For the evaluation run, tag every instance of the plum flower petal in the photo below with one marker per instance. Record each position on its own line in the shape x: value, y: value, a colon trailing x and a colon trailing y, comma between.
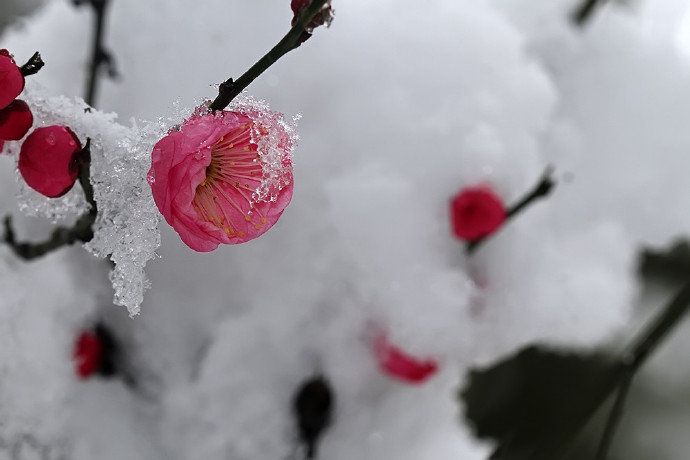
x: 476, y: 212
x: 88, y: 354
x: 223, y: 178
x: 401, y: 366
x: 48, y: 160
x: 11, y: 79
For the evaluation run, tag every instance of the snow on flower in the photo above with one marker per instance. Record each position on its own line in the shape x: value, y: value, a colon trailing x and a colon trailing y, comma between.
x: 223, y: 177
x: 475, y: 213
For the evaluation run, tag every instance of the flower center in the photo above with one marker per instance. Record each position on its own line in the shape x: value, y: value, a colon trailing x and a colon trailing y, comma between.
x: 224, y: 198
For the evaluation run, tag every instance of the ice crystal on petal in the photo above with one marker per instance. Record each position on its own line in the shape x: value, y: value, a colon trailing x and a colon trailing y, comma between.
x: 281, y: 137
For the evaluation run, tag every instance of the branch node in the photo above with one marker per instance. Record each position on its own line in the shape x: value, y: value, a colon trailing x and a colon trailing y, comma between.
x: 33, y: 65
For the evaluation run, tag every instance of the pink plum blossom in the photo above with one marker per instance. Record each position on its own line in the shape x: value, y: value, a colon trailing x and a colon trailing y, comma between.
x: 223, y: 177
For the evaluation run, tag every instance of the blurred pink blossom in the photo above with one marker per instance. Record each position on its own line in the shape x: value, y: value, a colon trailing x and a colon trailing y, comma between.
x: 476, y: 212
x: 399, y: 365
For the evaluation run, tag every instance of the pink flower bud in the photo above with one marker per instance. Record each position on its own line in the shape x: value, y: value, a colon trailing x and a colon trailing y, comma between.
x: 223, y: 178
x: 88, y: 354
x: 15, y: 121
x: 324, y: 16
x: 397, y: 364
x: 475, y: 213
x: 48, y: 160
x: 11, y: 79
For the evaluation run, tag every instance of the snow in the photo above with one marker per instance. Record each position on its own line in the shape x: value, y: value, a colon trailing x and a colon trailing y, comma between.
x: 126, y: 229
x: 37, y: 327
x: 404, y: 103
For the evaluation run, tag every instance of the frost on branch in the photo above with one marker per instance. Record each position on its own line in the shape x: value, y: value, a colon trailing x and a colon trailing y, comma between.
x: 126, y: 229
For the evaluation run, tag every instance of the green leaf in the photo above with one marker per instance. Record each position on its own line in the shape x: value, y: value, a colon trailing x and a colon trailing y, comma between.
x: 670, y: 264
x: 535, y: 402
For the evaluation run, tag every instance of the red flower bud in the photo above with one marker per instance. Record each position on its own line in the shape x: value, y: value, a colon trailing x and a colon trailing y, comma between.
x: 15, y: 121
x: 299, y: 5
x: 475, y: 213
x: 88, y: 354
x: 11, y: 79
x: 324, y: 16
x: 399, y: 365
x: 48, y: 160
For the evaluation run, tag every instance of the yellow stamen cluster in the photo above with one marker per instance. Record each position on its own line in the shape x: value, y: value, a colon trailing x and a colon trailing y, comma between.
x: 231, y: 178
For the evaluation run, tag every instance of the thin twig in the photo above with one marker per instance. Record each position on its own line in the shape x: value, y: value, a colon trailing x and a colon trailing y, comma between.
x: 99, y: 54
x: 642, y: 347
x: 614, y: 418
x: 85, y: 175
x: 230, y: 88
x: 584, y: 12
x: 82, y: 230
x: 541, y: 190
x: 650, y: 338
x: 61, y: 236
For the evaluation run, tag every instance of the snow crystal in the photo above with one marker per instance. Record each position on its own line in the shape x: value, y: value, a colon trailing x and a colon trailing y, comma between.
x: 33, y: 203
x: 275, y: 138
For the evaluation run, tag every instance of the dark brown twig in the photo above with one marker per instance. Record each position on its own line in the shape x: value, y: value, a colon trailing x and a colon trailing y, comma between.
x: 100, y: 56
x: 584, y: 11
x: 230, y: 88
